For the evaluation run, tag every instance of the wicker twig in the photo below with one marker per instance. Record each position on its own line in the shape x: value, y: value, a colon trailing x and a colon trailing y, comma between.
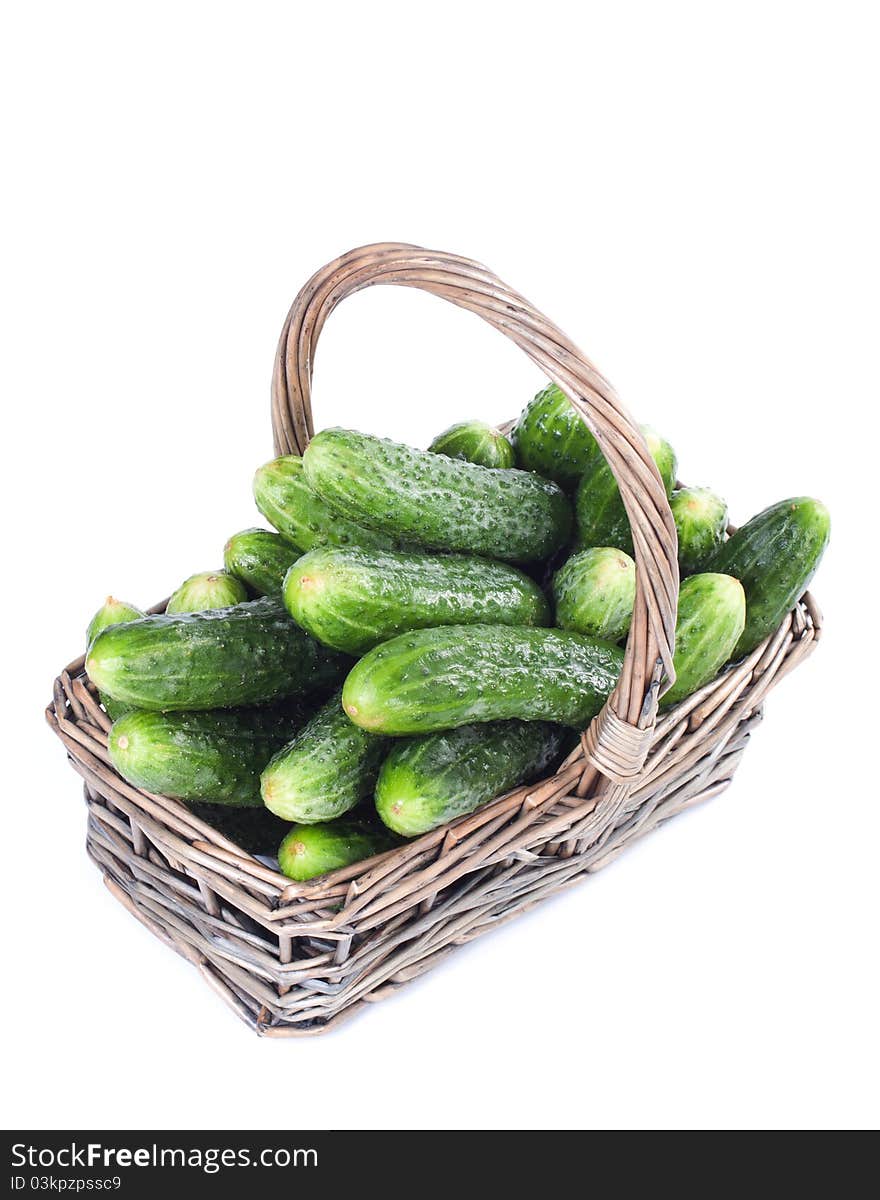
x: 294, y: 958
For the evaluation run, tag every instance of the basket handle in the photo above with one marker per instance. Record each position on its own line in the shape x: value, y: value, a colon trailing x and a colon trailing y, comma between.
x: 617, y: 741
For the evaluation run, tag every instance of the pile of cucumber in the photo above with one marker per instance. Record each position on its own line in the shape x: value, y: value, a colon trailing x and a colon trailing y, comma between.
x: 422, y: 631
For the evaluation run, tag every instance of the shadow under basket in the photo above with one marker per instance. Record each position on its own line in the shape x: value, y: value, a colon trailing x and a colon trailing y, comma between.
x: 296, y: 958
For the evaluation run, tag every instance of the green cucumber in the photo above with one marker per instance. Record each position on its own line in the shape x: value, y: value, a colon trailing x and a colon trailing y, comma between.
x: 288, y: 503
x: 114, y: 708
x: 594, y: 592
x: 427, y: 781
x: 260, y: 559
x: 701, y: 522
x: 310, y: 850
x: 774, y: 556
x: 601, y: 516
x: 111, y: 612
x: 710, y: 619
x: 328, y: 768
x: 476, y: 442
x: 255, y: 830
x: 437, y: 502
x: 352, y: 599
x: 246, y: 654
x: 208, y: 589
x: 215, y: 757
x: 551, y: 438
x: 434, y: 679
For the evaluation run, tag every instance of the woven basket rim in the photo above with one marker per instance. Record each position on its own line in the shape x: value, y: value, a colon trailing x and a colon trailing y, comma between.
x: 693, y: 711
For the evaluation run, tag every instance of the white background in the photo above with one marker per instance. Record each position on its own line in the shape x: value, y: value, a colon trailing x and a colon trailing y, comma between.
x: 690, y: 191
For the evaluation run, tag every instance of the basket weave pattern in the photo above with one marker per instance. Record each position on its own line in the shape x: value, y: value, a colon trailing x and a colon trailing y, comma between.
x: 295, y: 958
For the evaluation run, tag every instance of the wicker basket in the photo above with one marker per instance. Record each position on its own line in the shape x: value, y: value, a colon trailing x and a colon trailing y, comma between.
x: 295, y: 958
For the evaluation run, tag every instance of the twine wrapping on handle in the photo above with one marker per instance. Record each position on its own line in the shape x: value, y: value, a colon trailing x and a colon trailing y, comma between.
x: 618, y: 739
x: 615, y: 747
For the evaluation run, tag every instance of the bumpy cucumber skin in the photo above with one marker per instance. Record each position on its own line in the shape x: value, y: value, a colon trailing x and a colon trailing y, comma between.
x: 215, y: 757
x: 255, y: 830
x: 552, y: 439
x: 700, y: 517
x: 594, y: 592
x: 601, y: 516
x: 288, y: 503
x: 260, y: 559
x: 311, y: 850
x: 112, y: 612
x: 710, y: 620
x: 437, y: 502
x: 774, y: 556
x: 247, y: 654
x: 208, y: 589
x: 328, y: 768
x: 476, y: 442
x: 353, y: 599
x: 442, y: 678
x: 427, y: 781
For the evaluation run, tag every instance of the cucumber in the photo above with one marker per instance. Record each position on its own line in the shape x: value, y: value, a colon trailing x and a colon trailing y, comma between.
x: 289, y: 504
x: 437, y: 502
x: 327, y: 768
x: 260, y: 559
x: 256, y: 830
x: 111, y: 612
x: 595, y: 591
x: 434, y: 679
x: 710, y: 619
x: 700, y: 522
x: 476, y: 442
x: 208, y: 589
x: 310, y: 850
x: 601, y: 517
x: 427, y: 781
x: 114, y: 708
x: 774, y: 556
x: 352, y: 599
x: 551, y: 438
x: 215, y: 757
x: 246, y: 654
